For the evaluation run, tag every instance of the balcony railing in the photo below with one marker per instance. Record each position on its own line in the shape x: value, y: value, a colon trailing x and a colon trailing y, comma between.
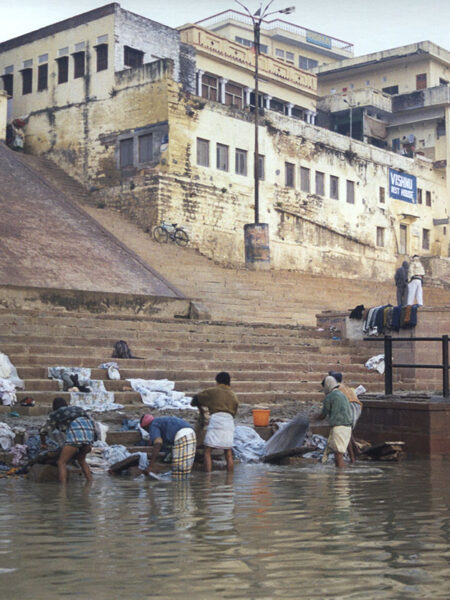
x: 334, y: 43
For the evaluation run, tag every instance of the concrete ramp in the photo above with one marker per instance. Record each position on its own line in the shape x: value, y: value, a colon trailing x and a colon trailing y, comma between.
x: 47, y: 241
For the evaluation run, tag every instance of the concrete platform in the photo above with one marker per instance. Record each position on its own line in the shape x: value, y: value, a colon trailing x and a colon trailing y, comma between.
x: 422, y: 423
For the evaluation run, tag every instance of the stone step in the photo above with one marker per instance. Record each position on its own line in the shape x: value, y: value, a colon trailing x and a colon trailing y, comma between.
x: 190, y: 385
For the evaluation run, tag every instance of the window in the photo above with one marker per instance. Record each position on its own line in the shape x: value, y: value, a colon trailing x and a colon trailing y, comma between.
x: 209, y: 87
x: 426, y: 239
x: 78, y: 64
x: 63, y: 69
x: 233, y: 95
x: 42, y: 77
x: 279, y: 53
x: 334, y: 187
x: 421, y: 81
x: 249, y: 43
x: 307, y: 63
x: 8, y: 81
x: 304, y: 179
x: 102, y: 57
x: 382, y: 195
x: 442, y: 81
x: 132, y: 58
x: 126, y: 152
x: 350, y: 192
x: 241, y: 162
x: 145, y: 148
x: 403, y: 239
x: 419, y: 196
x: 290, y: 57
x: 392, y: 89
x: 222, y: 157
x: 27, y: 81
x: 202, y: 152
x: 380, y: 236
x: 289, y: 175
x: 261, y: 168
x: 320, y: 183
x: 396, y: 145
x: 428, y: 198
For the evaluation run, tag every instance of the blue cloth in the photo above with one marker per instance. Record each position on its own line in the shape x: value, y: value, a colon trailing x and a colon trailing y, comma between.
x: 166, y: 428
x: 129, y: 425
x: 81, y: 432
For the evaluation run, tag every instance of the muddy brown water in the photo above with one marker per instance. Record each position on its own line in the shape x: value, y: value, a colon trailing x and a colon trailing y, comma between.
x: 373, y: 531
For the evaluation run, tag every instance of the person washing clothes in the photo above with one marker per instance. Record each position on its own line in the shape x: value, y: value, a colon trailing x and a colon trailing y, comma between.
x: 79, y: 430
x: 222, y: 404
x: 337, y: 408
x: 401, y: 283
x: 416, y: 273
x: 355, y: 405
x: 175, y: 432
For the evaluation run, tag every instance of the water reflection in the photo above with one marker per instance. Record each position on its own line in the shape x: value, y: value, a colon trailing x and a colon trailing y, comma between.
x: 262, y: 532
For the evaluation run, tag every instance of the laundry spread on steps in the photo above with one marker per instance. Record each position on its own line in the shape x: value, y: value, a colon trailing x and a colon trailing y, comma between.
x: 9, y: 381
x: 160, y: 393
x: 89, y: 394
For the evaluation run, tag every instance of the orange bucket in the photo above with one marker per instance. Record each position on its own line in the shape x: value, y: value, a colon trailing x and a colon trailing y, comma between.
x: 261, y: 417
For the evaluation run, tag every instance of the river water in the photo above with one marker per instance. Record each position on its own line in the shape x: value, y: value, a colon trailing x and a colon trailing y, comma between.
x: 376, y: 530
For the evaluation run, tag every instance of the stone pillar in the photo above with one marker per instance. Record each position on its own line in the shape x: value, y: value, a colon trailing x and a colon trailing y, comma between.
x: 199, y: 82
x: 223, y: 83
x: 289, y: 107
x: 3, y: 114
x: 247, y: 91
x: 267, y: 100
x: 313, y: 118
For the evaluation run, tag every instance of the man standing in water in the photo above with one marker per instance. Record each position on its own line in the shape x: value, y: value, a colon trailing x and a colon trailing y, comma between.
x: 337, y: 408
x: 222, y: 404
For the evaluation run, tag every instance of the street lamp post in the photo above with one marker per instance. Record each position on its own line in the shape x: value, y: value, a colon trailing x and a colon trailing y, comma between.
x: 257, y: 251
x: 351, y: 106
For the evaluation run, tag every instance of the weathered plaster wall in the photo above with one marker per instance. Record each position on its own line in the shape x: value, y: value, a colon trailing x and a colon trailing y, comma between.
x: 309, y: 230
x: 3, y: 112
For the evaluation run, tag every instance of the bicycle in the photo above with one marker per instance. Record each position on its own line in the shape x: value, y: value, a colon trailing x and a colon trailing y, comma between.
x: 162, y: 233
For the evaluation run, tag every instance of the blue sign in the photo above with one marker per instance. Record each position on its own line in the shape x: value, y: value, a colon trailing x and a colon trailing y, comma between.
x: 313, y: 37
x: 402, y: 186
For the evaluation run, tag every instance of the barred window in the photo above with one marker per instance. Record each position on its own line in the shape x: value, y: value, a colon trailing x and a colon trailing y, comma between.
x: 241, y: 162
x: 102, y: 57
x: 126, y: 148
x: 42, y: 77
x: 27, y: 81
x: 304, y: 179
x: 334, y: 187
x: 132, y: 58
x: 320, y: 183
x: 63, y: 69
x: 210, y: 87
x: 222, y: 157
x: 78, y: 64
x: 202, y: 152
x: 145, y: 147
x: 289, y: 177
x: 380, y: 236
x: 233, y: 95
x: 350, y: 192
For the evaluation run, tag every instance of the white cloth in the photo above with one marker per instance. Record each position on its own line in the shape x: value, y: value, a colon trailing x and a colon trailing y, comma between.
x: 95, y: 401
x: 415, y: 292
x: 248, y: 446
x: 7, y: 436
x: 339, y: 438
x: 8, y: 371
x: 220, y: 431
x: 160, y: 393
x: 356, y: 412
x: 7, y: 392
x: 376, y: 362
x: 184, y: 431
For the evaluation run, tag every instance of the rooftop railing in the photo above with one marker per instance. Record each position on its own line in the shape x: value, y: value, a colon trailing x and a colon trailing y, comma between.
x: 279, y: 24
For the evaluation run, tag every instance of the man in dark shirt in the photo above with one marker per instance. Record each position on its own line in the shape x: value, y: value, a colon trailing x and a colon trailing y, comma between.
x: 175, y: 432
x: 401, y: 282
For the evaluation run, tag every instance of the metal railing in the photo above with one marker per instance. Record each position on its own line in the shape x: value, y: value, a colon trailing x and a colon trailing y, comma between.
x: 272, y: 24
x: 389, y: 366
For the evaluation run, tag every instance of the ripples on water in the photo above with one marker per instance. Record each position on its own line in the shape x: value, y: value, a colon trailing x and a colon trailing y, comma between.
x: 265, y: 532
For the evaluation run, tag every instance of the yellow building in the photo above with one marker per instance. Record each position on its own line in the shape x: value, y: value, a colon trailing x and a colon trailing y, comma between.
x: 156, y: 139
x: 280, y: 39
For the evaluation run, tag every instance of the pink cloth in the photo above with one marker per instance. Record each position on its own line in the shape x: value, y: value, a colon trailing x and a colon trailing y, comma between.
x: 146, y: 420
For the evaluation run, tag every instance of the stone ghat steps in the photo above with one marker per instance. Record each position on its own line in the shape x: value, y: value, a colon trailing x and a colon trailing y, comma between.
x: 355, y: 374
x: 233, y: 293
x: 191, y: 386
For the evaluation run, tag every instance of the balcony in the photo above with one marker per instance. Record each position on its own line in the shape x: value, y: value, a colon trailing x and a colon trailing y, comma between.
x: 365, y: 97
x: 243, y: 57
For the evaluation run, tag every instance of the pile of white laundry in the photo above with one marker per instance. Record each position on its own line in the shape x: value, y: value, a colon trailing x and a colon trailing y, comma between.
x: 160, y: 393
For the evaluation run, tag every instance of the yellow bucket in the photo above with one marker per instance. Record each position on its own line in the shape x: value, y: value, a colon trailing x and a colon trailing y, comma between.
x: 261, y: 417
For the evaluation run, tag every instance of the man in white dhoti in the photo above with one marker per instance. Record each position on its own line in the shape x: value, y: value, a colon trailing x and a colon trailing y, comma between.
x: 222, y: 404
